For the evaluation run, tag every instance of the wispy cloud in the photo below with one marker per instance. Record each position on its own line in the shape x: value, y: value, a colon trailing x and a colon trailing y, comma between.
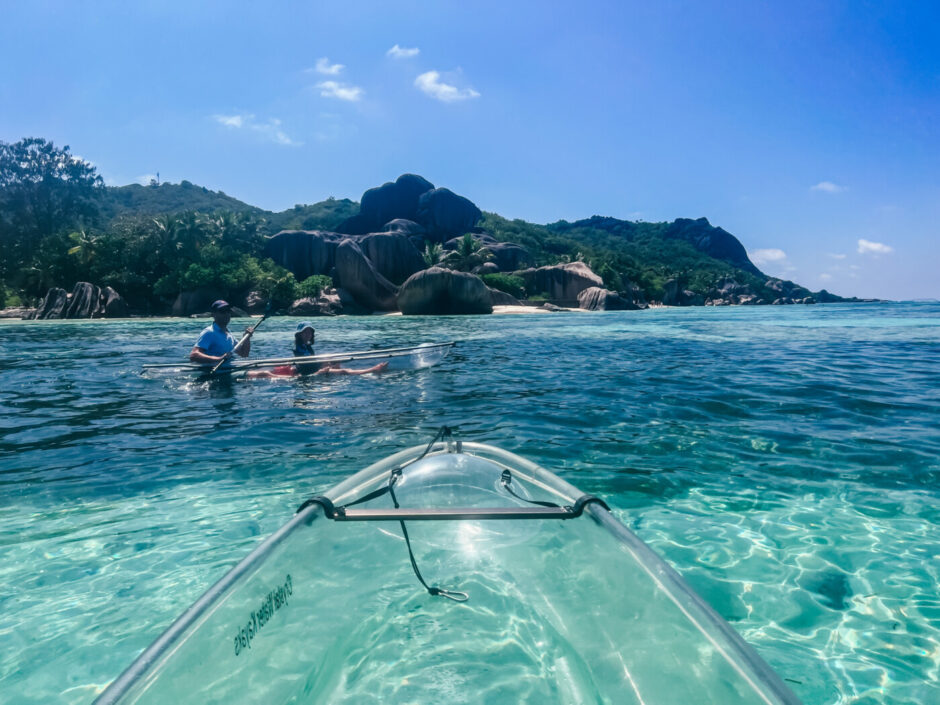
x: 397, y: 52
x: 431, y: 84
x: 836, y: 255
x: 270, y: 130
x: 340, y: 91
x: 325, y: 67
x: 768, y: 256
x: 825, y: 277
x: 867, y: 247
x: 232, y: 120
x: 829, y: 187
x: 145, y: 179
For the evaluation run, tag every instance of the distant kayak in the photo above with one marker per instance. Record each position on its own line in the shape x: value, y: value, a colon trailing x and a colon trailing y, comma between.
x: 403, y: 358
x: 450, y: 573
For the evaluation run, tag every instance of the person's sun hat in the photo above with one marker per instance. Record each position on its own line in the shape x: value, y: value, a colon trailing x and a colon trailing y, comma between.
x: 220, y: 305
x: 304, y: 325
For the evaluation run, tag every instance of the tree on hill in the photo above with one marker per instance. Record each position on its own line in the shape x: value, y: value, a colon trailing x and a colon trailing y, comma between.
x: 44, y: 192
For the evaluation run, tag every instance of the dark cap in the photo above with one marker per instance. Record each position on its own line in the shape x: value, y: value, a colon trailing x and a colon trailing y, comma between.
x: 220, y: 305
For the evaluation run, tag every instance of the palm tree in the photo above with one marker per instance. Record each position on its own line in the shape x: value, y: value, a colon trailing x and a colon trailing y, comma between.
x: 433, y: 253
x: 84, y: 247
x: 469, y: 254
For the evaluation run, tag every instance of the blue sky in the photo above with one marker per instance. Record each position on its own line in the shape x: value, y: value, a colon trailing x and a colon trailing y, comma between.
x: 811, y: 131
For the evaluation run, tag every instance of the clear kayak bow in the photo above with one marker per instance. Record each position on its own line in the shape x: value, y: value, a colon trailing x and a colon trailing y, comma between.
x: 552, y: 600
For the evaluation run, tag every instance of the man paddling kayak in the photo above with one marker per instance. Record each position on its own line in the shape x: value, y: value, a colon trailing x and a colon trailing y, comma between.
x: 216, y: 343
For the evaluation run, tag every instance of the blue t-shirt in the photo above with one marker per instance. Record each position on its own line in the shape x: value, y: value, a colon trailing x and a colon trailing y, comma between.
x: 303, y: 349
x: 216, y: 341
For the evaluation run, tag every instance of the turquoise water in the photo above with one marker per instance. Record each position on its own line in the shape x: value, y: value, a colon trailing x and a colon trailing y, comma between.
x: 786, y: 460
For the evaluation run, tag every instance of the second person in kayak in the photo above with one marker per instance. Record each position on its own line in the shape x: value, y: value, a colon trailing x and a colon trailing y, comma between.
x: 304, y: 340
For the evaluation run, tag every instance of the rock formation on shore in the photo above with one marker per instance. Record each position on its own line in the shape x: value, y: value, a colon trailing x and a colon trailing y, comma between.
x: 438, y: 291
x: 85, y: 301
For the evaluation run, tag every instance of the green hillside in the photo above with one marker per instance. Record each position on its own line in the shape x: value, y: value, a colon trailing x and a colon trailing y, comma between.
x: 633, y: 253
x: 168, y: 198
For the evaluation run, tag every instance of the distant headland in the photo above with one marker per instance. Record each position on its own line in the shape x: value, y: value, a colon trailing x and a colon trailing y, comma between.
x: 74, y: 248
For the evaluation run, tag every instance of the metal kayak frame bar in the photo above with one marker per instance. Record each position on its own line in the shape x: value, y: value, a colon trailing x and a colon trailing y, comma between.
x: 454, y: 514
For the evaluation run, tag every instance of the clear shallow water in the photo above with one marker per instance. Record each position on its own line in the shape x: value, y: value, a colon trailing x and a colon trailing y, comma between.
x: 785, y: 460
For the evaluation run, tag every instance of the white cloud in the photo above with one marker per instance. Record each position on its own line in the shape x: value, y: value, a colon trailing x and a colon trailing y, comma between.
x: 768, y: 256
x: 270, y: 130
x: 432, y: 85
x: 867, y: 247
x: 829, y: 187
x: 397, y: 52
x: 325, y: 67
x: 341, y: 91
x: 145, y: 179
x: 825, y: 277
x: 232, y: 120
x: 837, y: 255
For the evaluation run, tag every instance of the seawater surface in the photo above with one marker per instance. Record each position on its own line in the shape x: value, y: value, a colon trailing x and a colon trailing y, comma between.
x: 785, y: 460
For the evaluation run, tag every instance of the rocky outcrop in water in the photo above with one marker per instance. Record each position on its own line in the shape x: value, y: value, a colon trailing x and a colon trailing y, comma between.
x: 52, y: 306
x: 85, y: 301
x: 438, y: 291
x: 597, y: 298
x: 562, y: 282
x: 114, y: 304
x: 330, y: 302
x: 675, y: 295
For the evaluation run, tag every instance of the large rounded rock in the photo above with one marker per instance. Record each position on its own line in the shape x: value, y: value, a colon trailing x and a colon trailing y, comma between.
x: 599, y: 299
x: 52, y: 306
x: 189, y: 303
x: 303, y: 252
x: 356, y: 273
x: 403, y: 226
x: 113, y: 303
x: 501, y: 298
x: 85, y: 302
x: 390, y: 201
x: 675, y: 295
x: 393, y: 255
x: 486, y: 268
x: 445, y: 214
x: 438, y: 291
x: 563, y: 282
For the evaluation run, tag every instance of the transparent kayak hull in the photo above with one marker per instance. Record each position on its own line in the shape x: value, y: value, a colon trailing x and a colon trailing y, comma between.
x: 572, y: 610
x: 414, y: 357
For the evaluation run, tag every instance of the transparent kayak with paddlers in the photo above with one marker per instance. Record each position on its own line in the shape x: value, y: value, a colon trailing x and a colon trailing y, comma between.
x: 451, y: 573
x: 414, y: 357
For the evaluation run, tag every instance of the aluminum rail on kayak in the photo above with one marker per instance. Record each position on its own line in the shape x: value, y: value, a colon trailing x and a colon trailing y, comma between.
x: 306, y: 360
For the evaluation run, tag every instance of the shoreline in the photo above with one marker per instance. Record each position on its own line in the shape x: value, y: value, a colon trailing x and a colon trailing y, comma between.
x: 15, y: 314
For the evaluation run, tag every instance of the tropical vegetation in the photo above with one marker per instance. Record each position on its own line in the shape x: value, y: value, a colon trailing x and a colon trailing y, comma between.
x: 59, y: 224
